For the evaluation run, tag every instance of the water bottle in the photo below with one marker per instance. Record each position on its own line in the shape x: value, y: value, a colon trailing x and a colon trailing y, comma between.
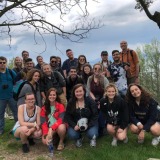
x: 51, y: 148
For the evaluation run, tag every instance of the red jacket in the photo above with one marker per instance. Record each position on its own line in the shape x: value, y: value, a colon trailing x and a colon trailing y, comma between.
x: 58, y: 115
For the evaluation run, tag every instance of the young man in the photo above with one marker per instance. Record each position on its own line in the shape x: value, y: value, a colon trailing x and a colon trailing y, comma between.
x: 53, y: 79
x: 6, y: 92
x: 40, y: 62
x: 25, y: 55
x: 72, y: 80
x: 130, y: 56
x: 54, y: 65
x: 118, y: 73
x: 68, y: 63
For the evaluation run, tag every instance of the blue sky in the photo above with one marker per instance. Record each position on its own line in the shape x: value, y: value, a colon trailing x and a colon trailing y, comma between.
x: 121, y: 22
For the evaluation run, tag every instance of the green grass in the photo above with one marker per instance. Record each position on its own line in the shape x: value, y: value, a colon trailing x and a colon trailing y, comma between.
x: 104, y: 151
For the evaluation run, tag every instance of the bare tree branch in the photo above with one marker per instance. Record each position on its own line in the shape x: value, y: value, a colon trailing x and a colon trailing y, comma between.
x: 34, y: 14
x: 144, y: 5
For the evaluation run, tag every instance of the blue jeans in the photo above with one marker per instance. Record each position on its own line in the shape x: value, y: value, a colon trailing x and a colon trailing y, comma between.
x: 77, y: 134
x: 13, y: 106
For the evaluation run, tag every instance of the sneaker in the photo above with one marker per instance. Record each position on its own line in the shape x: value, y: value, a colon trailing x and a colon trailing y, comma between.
x: 140, y: 141
x: 31, y: 142
x: 155, y: 141
x: 125, y: 140
x: 79, y: 142
x: 25, y: 148
x: 114, y: 142
x: 93, y: 142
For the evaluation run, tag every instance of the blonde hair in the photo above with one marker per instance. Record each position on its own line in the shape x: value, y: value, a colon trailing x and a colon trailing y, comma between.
x: 110, y: 85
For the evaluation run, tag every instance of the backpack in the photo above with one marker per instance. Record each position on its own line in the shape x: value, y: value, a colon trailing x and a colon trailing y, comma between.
x: 17, y: 89
x: 11, y: 73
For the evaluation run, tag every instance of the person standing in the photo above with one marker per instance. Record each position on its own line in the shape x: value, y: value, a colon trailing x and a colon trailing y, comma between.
x: 6, y: 94
x: 118, y: 73
x: 68, y: 63
x: 130, y: 56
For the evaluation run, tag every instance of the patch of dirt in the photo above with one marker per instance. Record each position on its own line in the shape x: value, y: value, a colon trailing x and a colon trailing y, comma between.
x: 37, y: 152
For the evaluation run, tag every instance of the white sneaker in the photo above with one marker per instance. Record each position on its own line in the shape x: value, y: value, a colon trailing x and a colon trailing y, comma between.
x: 79, y: 142
x: 114, y: 142
x: 140, y: 141
x: 125, y: 140
x: 93, y: 142
x: 155, y: 141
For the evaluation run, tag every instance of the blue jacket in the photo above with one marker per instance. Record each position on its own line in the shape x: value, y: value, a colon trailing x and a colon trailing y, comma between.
x: 6, y: 84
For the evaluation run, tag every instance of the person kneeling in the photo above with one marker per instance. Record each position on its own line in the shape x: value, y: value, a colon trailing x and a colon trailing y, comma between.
x: 52, y: 114
x: 28, y: 125
x: 143, y: 113
x: 82, y: 116
x: 115, y: 111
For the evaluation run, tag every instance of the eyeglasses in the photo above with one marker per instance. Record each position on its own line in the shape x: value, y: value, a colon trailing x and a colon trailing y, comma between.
x: 53, y: 61
x: 2, y: 62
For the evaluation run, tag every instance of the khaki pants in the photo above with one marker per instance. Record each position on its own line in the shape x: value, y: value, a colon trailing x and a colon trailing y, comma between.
x: 63, y: 99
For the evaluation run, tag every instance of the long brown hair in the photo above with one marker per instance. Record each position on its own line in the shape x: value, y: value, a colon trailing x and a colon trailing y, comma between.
x: 73, y: 99
x: 47, y: 102
x: 145, y: 95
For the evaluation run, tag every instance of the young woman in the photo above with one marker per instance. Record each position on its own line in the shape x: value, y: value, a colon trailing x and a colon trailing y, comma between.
x: 96, y: 85
x: 86, y: 72
x: 18, y: 64
x: 115, y: 112
x: 81, y: 61
x: 82, y: 109
x: 32, y: 85
x: 28, y: 125
x: 143, y: 113
x: 52, y: 114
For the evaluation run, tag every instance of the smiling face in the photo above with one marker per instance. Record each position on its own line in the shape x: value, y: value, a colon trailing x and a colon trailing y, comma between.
x: 30, y: 100
x: 36, y: 77
x: 135, y: 91
x: 111, y: 93
x: 123, y: 45
x: 52, y: 96
x: 82, y: 60
x: 87, y: 70
x: 97, y: 69
x: 18, y: 61
x: 47, y: 69
x: 79, y: 93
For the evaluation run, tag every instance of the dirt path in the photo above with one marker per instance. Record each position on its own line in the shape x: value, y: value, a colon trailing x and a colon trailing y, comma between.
x: 37, y: 152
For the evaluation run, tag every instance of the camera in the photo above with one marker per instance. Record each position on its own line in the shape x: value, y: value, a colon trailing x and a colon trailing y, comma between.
x: 125, y: 64
x: 4, y: 86
x: 83, y: 124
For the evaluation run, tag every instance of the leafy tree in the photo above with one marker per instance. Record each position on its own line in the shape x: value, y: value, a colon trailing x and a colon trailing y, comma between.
x: 144, y: 5
x: 41, y: 15
x: 150, y: 67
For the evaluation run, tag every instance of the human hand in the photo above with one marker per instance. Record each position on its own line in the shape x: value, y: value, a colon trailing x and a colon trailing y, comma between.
x: 120, y: 130
x: 76, y: 128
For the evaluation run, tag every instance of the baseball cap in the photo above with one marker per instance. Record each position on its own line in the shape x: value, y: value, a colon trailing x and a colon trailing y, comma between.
x: 104, y: 53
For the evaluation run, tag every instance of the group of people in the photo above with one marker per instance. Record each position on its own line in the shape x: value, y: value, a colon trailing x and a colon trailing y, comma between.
x: 56, y: 100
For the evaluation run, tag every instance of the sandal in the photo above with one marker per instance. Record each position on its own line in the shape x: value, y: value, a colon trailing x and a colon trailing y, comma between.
x: 60, y: 147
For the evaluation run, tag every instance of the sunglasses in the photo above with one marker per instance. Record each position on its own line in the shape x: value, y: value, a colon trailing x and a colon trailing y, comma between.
x: 97, y: 69
x: 2, y: 62
x: 53, y: 61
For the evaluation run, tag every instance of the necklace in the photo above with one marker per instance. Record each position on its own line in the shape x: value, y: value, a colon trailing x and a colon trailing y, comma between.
x: 80, y: 104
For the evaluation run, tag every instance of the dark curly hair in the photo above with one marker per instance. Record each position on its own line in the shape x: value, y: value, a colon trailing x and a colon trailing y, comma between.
x: 145, y: 95
x: 47, y: 102
x: 72, y: 101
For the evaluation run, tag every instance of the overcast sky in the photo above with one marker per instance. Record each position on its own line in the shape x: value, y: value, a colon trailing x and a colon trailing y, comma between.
x: 121, y: 22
